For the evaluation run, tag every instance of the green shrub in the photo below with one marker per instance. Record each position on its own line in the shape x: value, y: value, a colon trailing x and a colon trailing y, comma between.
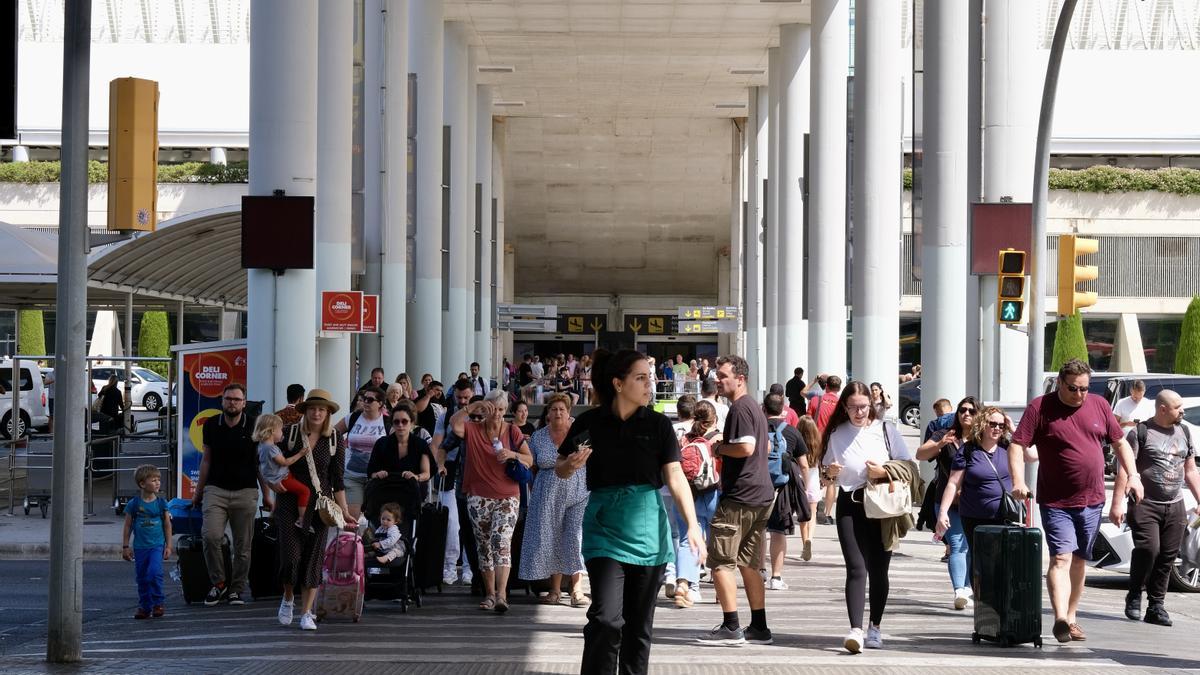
x: 1187, y: 359
x: 154, y: 340
x: 1107, y: 179
x: 33, y: 333
x: 188, y: 172
x: 1068, y: 341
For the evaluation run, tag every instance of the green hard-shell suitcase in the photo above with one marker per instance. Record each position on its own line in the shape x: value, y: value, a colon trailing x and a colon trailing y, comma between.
x: 1007, y: 570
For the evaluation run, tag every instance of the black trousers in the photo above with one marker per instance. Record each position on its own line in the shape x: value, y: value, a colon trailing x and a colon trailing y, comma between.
x: 1157, y: 535
x: 621, y: 618
x: 861, y: 539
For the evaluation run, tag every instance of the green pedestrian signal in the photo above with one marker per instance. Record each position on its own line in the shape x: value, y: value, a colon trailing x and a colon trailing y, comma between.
x: 1011, y: 311
x: 1010, y: 292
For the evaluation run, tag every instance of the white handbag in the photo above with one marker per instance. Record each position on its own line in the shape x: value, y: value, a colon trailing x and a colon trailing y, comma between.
x: 887, y: 499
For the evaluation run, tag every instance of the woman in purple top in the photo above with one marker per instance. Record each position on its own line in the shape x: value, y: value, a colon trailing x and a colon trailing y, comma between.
x: 979, y: 475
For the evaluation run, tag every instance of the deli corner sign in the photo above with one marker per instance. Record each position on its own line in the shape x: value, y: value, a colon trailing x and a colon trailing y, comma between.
x: 349, y: 312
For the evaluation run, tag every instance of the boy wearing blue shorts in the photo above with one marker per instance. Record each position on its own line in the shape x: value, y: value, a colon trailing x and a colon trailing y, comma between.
x: 149, y: 523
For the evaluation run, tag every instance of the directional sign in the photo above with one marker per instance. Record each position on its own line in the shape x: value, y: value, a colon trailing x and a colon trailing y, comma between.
x: 709, y: 313
x: 655, y: 325
x: 701, y: 327
x: 527, y: 311
x: 582, y: 323
x: 650, y: 324
x: 528, y: 325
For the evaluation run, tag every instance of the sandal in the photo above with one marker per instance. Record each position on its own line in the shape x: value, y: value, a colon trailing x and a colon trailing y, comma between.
x: 578, y: 599
x: 488, y: 603
x: 550, y: 599
x: 501, y: 605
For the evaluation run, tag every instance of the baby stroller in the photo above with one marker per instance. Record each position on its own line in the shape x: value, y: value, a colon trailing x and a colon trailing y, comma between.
x: 395, y: 580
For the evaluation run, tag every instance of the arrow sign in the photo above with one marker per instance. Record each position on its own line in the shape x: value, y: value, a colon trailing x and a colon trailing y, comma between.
x: 635, y: 325
x: 597, y: 325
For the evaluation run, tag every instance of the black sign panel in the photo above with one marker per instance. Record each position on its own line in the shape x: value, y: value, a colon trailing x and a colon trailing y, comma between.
x: 650, y: 324
x: 575, y: 323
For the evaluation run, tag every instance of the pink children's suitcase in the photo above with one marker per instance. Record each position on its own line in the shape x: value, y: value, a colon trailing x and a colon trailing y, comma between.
x: 343, y: 579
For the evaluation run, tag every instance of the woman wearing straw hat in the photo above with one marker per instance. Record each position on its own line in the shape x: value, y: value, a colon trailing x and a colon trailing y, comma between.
x: 301, y: 551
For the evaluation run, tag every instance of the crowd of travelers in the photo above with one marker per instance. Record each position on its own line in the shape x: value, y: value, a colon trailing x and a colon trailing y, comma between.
x: 598, y: 482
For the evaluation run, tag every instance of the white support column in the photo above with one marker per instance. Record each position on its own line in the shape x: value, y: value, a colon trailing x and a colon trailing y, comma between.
x: 1012, y: 83
x: 794, y: 49
x: 424, y: 328
x: 771, y: 244
x: 945, y: 200
x: 335, y: 126
x: 20, y: 153
x: 283, y: 112
x: 393, y: 223
x: 454, y: 115
x: 827, y: 189
x: 756, y: 163
x: 730, y: 280
x: 470, y: 203
x: 484, y: 350
x: 500, y: 251
x: 217, y: 156
x: 877, y: 192
x: 375, y: 48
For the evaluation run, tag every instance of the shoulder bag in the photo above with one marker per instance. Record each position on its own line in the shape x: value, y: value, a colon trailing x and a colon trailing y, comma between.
x: 1011, y: 510
x: 326, y: 508
x: 888, y: 498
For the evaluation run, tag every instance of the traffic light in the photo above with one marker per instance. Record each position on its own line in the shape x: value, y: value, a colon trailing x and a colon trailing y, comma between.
x: 1010, y: 300
x: 132, y: 154
x: 1071, y: 274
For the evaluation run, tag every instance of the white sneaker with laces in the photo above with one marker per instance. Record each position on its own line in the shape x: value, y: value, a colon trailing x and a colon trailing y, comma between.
x: 308, y: 621
x: 854, y: 641
x: 962, y: 598
x: 874, y: 638
x: 694, y: 595
x: 777, y: 584
x: 285, y: 612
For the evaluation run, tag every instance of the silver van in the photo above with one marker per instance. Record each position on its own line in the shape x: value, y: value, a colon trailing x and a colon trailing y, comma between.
x: 34, y: 411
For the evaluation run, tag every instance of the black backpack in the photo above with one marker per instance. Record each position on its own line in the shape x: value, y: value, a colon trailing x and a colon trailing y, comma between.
x: 1142, y: 433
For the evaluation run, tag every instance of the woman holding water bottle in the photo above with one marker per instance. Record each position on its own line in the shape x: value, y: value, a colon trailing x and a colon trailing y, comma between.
x: 493, y: 498
x: 630, y: 452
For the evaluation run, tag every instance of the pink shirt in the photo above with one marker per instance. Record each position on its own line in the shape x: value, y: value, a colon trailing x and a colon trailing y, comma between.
x: 484, y: 475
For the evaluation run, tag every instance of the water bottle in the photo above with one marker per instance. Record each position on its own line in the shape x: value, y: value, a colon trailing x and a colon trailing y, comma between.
x: 497, y: 447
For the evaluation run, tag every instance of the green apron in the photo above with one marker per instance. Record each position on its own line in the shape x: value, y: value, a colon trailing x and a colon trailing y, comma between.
x: 629, y: 525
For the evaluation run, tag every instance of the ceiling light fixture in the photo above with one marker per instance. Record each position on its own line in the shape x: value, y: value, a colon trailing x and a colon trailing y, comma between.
x: 497, y: 69
x: 729, y: 106
x: 509, y: 104
x: 795, y: 2
x: 747, y: 71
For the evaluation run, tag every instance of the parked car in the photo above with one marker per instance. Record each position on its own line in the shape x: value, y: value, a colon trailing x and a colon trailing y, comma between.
x: 34, y: 411
x: 910, y: 403
x: 1187, y: 386
x: 149, y: 388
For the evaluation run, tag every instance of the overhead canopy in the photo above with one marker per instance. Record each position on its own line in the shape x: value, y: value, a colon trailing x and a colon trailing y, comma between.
x: 194, y: 259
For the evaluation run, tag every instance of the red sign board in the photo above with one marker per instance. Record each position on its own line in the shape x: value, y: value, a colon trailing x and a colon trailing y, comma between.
x: 370, y: 314
x: 342, y: 311
x: 995, y: 227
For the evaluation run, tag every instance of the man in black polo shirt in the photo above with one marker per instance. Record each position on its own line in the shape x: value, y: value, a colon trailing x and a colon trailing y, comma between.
x: 228, y: 489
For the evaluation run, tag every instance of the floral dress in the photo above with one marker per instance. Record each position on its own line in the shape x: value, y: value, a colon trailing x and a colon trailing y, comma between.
x: 554, y: 524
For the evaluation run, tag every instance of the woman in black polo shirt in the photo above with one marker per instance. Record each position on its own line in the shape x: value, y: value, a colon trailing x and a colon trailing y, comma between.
x: 630, y: 451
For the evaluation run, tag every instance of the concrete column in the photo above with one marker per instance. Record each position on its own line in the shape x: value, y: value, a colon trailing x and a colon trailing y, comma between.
x: 471, y: 203
x: 335, y: 66
x: 20, y: 153
x: 230, y: 325
x: 283, y: 112
x: 500, y: 250
x: 179, y: 338
x: 393, y: 272
x: 944, y: 243
x: 730, y: 280
x: 724, y: 267
x: 217, y: 156
x: 877, y: 192
x: 827, y: 188
x: 1012, y: 81
x: 370, y: 348
x: 794, y: 49
x: 1128, y: 354
x: 484, y: 348
x: 455, y: 116
x: 424, y: 327
x: 756, y: 170
x: 771, y: 245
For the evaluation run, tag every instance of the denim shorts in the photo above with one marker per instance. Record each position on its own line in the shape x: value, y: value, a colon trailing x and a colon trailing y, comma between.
x: 1071, y: 530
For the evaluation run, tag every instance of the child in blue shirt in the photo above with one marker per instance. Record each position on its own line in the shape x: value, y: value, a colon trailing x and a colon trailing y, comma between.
x: 147, y: 519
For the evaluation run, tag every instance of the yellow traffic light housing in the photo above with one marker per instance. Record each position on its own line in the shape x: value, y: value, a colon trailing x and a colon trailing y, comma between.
x: 132, y: 154
x: 1010, y: 300
x: 1071, y: 274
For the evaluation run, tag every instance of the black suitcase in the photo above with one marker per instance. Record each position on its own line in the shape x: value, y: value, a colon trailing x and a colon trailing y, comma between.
x: 1007, y: 563
x: 193, y: 571
x: 432, y: 522
x: 264, y: 560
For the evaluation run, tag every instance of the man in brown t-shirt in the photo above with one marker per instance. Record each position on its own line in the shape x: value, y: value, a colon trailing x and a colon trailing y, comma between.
x: 741, y: 516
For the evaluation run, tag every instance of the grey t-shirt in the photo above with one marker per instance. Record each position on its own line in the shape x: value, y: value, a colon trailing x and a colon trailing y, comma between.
x: 270, y: 470
x: 1161, y: 462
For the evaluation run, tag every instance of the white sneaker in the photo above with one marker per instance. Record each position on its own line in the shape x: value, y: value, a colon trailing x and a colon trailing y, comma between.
x: 962, y: 598
x: 694, y: 595
x: 874, y: 638
x: 777, y: 584
x: 467, y: 579
x: 285, y: 612
x: 449, y: 579
x: 308, y: 621
x: 854, y: 641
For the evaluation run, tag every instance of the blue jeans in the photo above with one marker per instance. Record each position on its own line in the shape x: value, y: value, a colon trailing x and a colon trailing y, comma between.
x: 147, y: 563
x: 960, y: 561
x: 687, y: 564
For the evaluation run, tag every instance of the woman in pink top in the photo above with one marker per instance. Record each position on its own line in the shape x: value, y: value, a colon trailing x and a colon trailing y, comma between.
x: 493, y: 499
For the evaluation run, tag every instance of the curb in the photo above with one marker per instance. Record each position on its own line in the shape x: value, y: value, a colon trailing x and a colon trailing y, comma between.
x: 41, y: 551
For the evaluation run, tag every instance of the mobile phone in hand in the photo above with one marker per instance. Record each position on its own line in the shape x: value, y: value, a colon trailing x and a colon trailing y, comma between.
x: 583, y: 439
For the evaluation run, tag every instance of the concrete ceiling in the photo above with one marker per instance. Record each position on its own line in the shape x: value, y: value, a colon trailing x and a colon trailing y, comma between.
x: 618, y: 165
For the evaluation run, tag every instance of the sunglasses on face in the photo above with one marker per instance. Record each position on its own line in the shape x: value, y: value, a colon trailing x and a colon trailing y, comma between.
x: 997, y: 426
x: 966, y: 411
x: 1075, y: 390
x: 370, y: 399
x: 401, y: 422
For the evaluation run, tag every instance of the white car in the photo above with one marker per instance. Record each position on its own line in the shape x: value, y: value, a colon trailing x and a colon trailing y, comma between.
x: 149, y: 388
x: 34, y: 411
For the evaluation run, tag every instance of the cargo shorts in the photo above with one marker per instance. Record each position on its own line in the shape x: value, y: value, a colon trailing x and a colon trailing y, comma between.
x: 736, y: 535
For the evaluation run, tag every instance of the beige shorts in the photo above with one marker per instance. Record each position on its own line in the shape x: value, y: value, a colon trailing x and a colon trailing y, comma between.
x: 736, y: 535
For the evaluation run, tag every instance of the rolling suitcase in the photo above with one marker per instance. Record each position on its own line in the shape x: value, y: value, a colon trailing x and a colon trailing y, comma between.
x: 432, y: 522
x: 343, y: 579
x: 1007, y: 563
x: 264, y: 560
x: 192, y: 570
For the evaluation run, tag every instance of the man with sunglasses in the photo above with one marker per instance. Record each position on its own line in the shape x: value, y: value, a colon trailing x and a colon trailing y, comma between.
x: 1069, y: 429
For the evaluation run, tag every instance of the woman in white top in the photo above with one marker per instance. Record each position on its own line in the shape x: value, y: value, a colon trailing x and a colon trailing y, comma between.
x: 853, y: 450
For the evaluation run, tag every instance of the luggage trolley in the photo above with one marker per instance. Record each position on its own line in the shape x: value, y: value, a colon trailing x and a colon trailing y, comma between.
x: 133, y: 452
x: 39, y: 463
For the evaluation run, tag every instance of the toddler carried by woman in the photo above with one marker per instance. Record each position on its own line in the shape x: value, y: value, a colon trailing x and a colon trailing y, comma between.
x: 268, y: 432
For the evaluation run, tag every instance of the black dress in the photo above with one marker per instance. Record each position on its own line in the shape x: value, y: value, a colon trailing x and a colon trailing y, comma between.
x: 301, y: 553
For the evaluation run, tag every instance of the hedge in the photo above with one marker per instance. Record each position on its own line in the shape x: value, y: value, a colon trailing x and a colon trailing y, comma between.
x: 1068, y: 341
x: 188, y: 172
x: 1116, y: 179
x: 33, y: 333
x: 1187, y: 359
x: 154, y: 340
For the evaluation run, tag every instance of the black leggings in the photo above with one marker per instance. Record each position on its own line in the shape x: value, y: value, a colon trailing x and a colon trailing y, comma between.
x: 621, y: 618
x: 861, y: 539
